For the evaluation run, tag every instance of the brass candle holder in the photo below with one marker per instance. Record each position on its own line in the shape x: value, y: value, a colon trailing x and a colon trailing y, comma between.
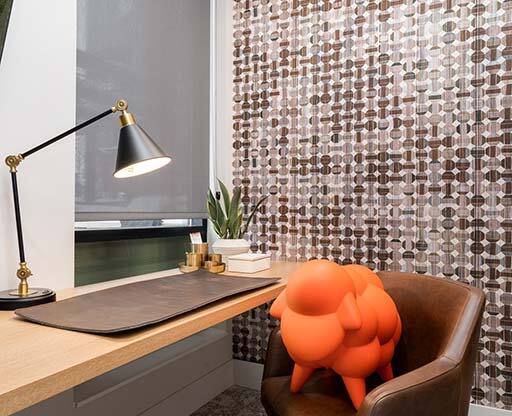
x: 194, y: 259
x: 200, y: 258
x: 202, y: 249
x: 217, y: 258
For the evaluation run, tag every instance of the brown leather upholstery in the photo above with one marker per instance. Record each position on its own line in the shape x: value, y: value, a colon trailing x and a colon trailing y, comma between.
x: 433, y: 363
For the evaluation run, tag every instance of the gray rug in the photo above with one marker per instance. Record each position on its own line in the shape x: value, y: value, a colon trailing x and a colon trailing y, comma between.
x: 235, y: 401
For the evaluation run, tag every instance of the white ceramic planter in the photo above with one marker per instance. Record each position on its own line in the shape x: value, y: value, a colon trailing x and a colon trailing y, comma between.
x: 230, y: 247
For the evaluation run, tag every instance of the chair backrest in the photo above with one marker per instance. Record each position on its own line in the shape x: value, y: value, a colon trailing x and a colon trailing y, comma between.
x: 440, y: 317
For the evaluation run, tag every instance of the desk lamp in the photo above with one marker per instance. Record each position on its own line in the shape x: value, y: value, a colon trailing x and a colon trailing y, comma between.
x: 136, y: 154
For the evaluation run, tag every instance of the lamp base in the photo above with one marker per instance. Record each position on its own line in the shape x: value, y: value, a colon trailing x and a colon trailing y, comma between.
x: 10, y: 300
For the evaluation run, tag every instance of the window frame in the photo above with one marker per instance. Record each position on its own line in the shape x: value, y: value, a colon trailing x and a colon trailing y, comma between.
x: 113, y: 234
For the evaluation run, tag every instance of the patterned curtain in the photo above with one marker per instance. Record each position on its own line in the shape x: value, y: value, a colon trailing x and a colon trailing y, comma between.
x: 381, y: 131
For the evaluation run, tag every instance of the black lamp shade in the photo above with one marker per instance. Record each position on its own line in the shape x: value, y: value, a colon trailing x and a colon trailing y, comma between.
x: 137, y: 153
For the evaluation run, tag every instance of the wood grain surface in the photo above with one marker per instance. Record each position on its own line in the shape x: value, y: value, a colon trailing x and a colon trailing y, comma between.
x: 38, y: 362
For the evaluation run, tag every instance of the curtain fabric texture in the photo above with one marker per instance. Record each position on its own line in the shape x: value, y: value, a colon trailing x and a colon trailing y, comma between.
x: 381, y: 131
x: 156, y: 55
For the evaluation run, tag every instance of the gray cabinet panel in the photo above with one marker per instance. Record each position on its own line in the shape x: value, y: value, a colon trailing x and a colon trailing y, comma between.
x: 176, y: 379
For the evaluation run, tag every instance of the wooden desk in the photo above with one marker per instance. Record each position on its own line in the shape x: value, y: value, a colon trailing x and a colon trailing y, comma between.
x: 38, y: 362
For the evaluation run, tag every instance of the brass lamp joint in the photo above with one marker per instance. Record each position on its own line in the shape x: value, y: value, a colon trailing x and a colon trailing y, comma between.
x: 23, y: 274
x: 13, y: 161
x: 120, y: 105
x: 126, y: 118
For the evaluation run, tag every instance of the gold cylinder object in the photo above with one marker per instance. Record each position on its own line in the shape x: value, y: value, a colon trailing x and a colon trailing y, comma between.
x: 194, y: 259
x: 209, y: 264
x: 219, y: 268
x: 126, y: 119
x: 187, y: 269
x: 201, y: 248
x: 216, y: 258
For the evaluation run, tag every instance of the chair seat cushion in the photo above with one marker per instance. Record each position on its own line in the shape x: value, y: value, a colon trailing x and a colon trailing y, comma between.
x: 324, y: 394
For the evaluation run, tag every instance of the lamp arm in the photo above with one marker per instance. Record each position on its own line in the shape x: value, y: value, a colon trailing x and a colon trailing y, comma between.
x: 67, y: 133
x: 13, y: 161
x: 23, y: 271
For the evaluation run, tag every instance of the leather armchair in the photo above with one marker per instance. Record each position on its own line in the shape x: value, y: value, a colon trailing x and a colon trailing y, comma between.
x: 434, y: 361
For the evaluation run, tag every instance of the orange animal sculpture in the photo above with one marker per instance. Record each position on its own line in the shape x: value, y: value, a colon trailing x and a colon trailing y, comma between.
x: 338, y: 317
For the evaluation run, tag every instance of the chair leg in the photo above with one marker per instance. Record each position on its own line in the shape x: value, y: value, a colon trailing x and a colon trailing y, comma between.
x: 356, y: 388
x: 386, y: 373
x: 299, y: 377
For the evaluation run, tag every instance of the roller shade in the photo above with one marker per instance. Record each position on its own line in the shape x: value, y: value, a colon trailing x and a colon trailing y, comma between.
x: 156, y: 55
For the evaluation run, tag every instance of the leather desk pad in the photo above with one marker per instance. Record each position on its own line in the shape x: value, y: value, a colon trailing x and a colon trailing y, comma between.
x: 136, y: 305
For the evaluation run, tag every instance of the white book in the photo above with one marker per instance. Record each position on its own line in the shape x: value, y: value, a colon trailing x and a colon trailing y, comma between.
x: 249, y: 262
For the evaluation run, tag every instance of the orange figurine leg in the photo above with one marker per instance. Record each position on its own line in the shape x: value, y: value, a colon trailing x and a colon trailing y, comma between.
x: 299, y: 377
x: 356, y: 388
x: 386, y: 373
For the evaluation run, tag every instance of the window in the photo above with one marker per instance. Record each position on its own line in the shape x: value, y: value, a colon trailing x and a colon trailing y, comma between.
x: 156, y: 55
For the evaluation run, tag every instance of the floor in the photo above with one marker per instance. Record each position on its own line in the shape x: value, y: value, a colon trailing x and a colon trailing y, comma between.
x: 235, y: 401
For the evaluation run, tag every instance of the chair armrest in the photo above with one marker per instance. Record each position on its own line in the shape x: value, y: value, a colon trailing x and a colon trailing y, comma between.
x: 277, y: 362
x: 429, y: 390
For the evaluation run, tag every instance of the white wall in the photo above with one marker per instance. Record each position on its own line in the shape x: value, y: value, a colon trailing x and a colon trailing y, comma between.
x: 222, y: 110
x: 37, y: 101
x: 221, y: 97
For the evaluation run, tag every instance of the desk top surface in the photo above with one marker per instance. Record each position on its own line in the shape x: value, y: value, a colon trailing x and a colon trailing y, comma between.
x: 38, y: 362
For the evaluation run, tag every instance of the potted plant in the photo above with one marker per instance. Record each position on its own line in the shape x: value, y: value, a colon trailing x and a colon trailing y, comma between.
x: 227, y: 220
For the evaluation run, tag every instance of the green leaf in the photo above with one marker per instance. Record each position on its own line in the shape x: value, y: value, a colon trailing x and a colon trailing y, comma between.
x: 216, y: 214
x: 221, y: 217
x: 234, y: 212
x: 235, y: 202
x: 238, y: 226
x: 253, y: 211
x: 212, y: 213
x: 212, y: 207
x: 211, y: 200
x: 209, y: 196
x: 217, y: 230
x: 225, y: 196
x: 224, y: 231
